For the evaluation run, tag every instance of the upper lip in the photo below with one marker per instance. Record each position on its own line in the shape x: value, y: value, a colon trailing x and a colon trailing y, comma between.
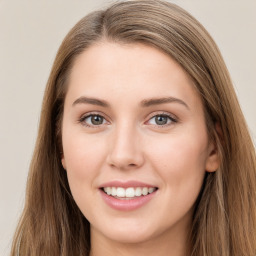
x: 126, y: 184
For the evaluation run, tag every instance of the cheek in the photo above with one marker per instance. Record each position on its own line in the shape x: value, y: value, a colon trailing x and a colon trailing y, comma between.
x: 180, y: 161
x: 83, y: 157
x: 83, y: 163
x: 180, y: 164
x: 81, y: 152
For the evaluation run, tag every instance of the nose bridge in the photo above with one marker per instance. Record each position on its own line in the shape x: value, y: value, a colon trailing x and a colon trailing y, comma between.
x: 125, y: 150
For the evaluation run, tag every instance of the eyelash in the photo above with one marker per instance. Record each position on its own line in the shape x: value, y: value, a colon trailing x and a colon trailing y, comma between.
x: 84, y: 117
x: 171, y: 119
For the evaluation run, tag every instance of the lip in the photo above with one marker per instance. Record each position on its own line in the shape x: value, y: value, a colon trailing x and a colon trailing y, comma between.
x: 126, y: 204
x: 126, y: 184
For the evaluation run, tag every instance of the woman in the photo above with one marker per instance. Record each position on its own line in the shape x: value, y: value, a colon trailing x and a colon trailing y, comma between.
x: 142, y: 147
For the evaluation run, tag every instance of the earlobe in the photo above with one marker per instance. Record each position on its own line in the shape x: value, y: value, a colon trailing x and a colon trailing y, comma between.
x: 63, y: 162
x: 213, y: 160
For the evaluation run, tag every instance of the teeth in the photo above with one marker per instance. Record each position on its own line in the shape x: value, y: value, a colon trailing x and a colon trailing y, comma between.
x: 144, y: 191
x: 113, y: 192
x: 109, y: 191
x: 128, y: 192
x: 120, y: 192
x: 138, y: 192
x: 151, y: 190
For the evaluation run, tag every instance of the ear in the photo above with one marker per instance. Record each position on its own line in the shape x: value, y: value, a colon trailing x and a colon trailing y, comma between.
x: 63, y: 162
x: 213, y: 160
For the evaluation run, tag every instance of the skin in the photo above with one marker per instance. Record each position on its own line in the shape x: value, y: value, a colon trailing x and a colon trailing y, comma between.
x: 129, y: 144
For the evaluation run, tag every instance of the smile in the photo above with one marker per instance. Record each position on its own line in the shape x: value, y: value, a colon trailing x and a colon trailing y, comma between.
x: 128, y: 193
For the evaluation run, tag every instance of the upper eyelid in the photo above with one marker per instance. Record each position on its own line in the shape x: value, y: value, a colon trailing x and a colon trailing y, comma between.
x: 172, y: 120
x: 148, y: 117
x: 163, y: 113
x: 94, y: 113
x: 82, y: 119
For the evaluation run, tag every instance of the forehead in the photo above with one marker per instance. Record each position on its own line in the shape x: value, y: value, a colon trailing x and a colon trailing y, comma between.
x: 128, y: 70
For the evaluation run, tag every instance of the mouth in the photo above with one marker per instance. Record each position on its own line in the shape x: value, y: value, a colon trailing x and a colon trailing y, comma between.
x: 129, y: 193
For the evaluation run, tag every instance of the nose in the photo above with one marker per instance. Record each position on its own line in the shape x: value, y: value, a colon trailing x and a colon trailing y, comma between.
x: 126, y: 151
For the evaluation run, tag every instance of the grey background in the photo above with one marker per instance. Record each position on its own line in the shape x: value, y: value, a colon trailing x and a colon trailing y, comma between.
x: 30, y: 34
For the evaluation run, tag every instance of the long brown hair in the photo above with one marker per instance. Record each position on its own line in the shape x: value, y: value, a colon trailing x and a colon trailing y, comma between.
x: 224, y: 221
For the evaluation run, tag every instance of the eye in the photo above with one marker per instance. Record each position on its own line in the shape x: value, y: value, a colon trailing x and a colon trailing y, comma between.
x: 93, y: 120
x: 161, y: 120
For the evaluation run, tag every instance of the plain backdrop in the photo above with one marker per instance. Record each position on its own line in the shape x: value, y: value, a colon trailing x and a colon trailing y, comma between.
x: 30, y: 34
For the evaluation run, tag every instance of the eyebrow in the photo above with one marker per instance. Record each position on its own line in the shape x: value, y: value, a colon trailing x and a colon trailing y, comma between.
x: 158, y: 101
x: 92, y: 101
x: 144, y: 103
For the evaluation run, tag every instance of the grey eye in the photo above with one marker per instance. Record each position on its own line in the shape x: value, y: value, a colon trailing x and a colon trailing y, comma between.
x: 161, y: 120
x: 97, y: 120
x: 94, y: 120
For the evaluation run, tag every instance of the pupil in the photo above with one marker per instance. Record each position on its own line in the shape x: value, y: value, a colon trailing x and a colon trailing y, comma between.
x: 96, y: 120
x: 161, y: 120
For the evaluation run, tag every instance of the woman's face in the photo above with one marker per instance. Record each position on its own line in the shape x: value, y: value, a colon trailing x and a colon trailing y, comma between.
x: 134, y: 126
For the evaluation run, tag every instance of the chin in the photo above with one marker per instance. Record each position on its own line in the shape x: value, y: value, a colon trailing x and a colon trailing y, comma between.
x: 127, y: 231
x: 129, y: 237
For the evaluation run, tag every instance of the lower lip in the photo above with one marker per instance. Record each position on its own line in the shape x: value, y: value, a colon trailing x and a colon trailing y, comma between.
x: 126, y: 204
